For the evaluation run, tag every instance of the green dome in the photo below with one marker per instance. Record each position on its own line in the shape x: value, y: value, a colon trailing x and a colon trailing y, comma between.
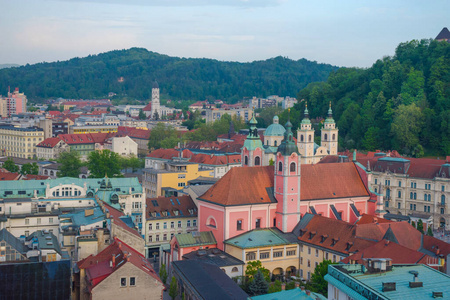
x: 275, y: 129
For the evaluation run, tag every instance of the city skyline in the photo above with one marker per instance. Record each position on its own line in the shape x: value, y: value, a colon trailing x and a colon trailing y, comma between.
x: 354, y: 33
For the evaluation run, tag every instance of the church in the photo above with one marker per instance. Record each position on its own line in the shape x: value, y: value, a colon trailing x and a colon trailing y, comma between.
x: 258, y: 195
x: 255, y: 153
x: 154, y: 110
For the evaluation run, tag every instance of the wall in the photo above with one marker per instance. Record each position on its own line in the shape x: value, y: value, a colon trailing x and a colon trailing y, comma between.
x: 147, y: 288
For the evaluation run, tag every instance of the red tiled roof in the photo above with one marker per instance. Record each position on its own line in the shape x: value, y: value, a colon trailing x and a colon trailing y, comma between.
x: 5, y: 175
x: 333, y: 234
x: 171, y: 205
x: 369, y: 219
x: 49, y: 142
x: 148, y: 107
x: 405, y: 234
x: 331, y: 181
x: 245, y: 185
x: 435, y: 245
x: 81, y: 138
x: 386, y: 249
x: 35, y: 177
x: 242, y: 186
x: 100, y: 266
x: 54, y: 112
x: 168, y: 153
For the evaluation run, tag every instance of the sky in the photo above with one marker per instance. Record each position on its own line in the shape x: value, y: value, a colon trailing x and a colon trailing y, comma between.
x: 350, y: 33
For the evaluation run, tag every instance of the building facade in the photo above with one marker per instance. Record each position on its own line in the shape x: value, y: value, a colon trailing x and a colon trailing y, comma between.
x: 20, y: 142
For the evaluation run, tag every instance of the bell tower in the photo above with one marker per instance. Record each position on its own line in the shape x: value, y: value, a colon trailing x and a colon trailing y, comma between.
x: 155, y: 101
x: 252, y: 151
x: 329, y: 138
x: 287, y: 182
x: 305, y: 139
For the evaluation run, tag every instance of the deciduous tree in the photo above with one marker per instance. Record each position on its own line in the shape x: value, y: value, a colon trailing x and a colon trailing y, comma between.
x: 32, y: 169
x: 105, y: 162
x: 70, y: 164
x: 173, y: 289
x: 10, y: 165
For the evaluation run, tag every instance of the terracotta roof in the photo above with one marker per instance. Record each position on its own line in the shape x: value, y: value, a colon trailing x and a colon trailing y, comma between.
x: 168, y: 153
x: 49, y: 142
x: 54, y: 112
x: 369, y: 219
x: 148, y: 107
x: 405, y: 234
x: 436, y: 245
x: 133, y: 132
x: 99, y: 267
x: 342, y: 180
x: 386, y: 249
x: 241, y: 186
x: 5, y: 175
x: 35, y: 177
x: 101, y: 137
x: 81, y: 138
x: 248, y: 185
x: 170, y: 207
x: 332, y: 234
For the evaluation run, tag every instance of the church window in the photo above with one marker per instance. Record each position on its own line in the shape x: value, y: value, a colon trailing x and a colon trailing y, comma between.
x: 292, y: 167
x: 239, y: 225
x: 301, y: 138
x: 309, y: 138
x: 246, y: 160
x: 257, y: 161
x: 258, y: 223
x: 280, y: 166
x: 334, y: 136
x: 325, y: 137
x: 276, y: 143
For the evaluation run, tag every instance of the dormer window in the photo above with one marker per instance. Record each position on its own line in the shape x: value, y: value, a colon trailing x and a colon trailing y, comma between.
x: 334, y: 241
x: 312, y: 234
x: 323, y: 238
x: 349, y: 245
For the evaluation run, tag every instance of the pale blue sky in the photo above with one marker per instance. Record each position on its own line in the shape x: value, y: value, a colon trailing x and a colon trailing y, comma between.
x: 343, y: 33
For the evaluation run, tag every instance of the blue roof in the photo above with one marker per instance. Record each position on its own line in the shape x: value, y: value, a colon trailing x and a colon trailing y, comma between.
x: 296, y: 294
x: 351, y: 276
x: 275, y: 129
x: 80, y: 219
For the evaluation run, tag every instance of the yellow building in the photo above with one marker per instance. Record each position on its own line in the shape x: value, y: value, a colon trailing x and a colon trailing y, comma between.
x: 277, y: 251
x: 20, y: 142
x: 167, y: 177
x: 93, y: 129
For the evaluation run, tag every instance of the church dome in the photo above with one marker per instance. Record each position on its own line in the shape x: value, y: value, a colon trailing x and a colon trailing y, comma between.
x: 155, y: 85
x: 275, y: 129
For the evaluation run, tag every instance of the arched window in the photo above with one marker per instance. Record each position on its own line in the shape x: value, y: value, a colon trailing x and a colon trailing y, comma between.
x: 46, y: 172
x: 309, y: 138
x: 443, y: 199
x: 257, y: 161
x: 275, y: 143
x: 292, y: 167
x: 235, y: 269
x: 334, y: 136
x: 114, y: 198
x: 211, y: 222
x: 325, y: 137
x: 280, y: 166
x: 301, y: 138
x: 246, y: 160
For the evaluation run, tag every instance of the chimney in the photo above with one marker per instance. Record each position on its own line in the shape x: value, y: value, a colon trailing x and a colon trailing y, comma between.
x: 302, y: 288
x: 283, y: 286
x: 120, y: 245
x: 308, y: 292
x: 297, y: 284
x: 113, y: 260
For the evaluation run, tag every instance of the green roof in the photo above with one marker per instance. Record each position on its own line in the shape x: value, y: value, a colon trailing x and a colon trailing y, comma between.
x: 195, y: 238
x: 275, y: 129
x: 259, y: 238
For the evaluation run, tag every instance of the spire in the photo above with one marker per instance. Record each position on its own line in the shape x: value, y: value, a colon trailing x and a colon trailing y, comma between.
x: 288, y: 146
x: 253, y: 141
x: 253, y: 132
x: 306, y: 112
x: 330, y: 111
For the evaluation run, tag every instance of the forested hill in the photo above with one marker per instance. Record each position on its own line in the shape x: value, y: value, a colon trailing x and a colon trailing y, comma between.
x: 179, y: 78
x: 401, y: 102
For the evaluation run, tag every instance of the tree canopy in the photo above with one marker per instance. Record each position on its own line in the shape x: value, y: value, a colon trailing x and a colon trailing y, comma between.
x: 10, y: 165
x: 318, y: 284
x: 70, y: 164
x: 180, y: 78
x: 105, y: 162
x: 258, y: 286
x: 401, y: 102
x: 29, y: 169
x: 163, y: 136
